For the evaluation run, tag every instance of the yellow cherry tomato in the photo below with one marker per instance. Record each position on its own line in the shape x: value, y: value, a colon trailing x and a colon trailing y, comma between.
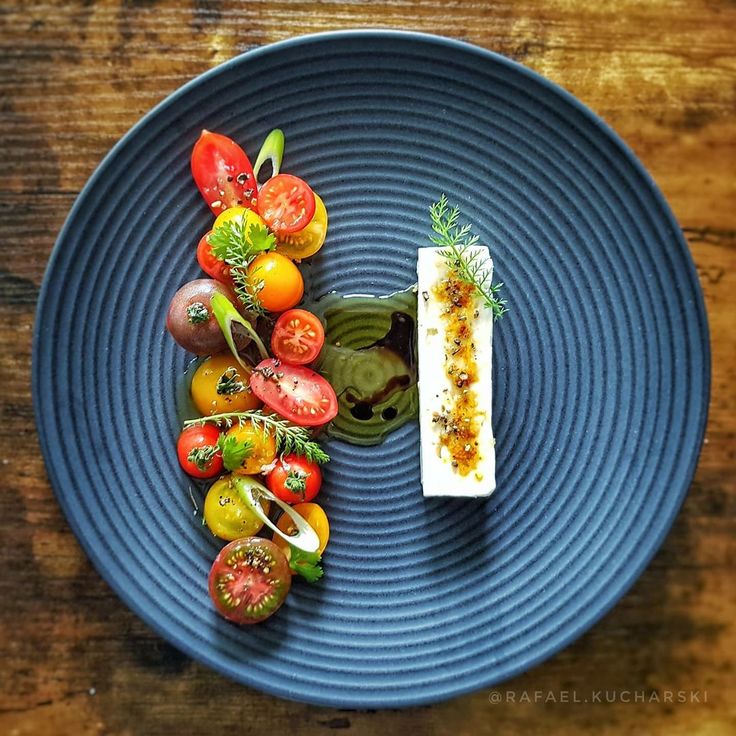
x: 277, y: 281
x: 227, y: 515
x: 233, y: 213
x: 263, y: 447
x: 309, y: 240
x: 224, y: 372
x: 314, y: 515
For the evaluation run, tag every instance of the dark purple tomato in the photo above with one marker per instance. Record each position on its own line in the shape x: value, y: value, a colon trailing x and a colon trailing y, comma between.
x: 190, y: 319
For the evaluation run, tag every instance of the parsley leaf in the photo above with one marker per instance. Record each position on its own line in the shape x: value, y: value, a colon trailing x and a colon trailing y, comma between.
x: 234, y: 241
x: 234, y: 451
x: 261, y: 239
x: 306, y: 564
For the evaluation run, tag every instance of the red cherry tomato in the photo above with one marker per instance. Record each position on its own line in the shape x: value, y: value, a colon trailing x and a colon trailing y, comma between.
x: 223, y: 173
x: 286, y: 203
x: 294, y: 479
x: 295, y: 392
x: 213, y: 267
x: 198, y: 452
x: 297, y: 337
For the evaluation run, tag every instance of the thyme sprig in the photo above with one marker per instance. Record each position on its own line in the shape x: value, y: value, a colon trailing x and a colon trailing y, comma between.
x: 457, y: 243
x: 290, y: 438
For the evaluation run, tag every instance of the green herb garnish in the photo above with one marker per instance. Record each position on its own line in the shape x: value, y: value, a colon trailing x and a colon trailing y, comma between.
x: 237, y: 243
x: 290, y: 438
x: 467, y: 264
x: 234, y: 451
x: 306, y: 564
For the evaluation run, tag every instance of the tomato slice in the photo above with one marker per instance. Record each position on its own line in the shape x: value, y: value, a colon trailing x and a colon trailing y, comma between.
x: 213, y: 267
x: 295, y: 392
x: 223, y: 173
x: 310, y: 239
x: 297, y: 337
x: 286, y: 203
x: 249, y: 580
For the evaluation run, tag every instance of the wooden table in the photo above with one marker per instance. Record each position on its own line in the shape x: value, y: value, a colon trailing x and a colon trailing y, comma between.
x: 77, y: 74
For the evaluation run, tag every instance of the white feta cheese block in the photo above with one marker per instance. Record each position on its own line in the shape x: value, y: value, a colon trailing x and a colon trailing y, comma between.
x: 436, y: 388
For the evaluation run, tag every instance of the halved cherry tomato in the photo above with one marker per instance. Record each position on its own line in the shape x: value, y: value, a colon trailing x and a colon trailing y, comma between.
x: 307, y: 241
x: 314, y: 515
x: 295, y: 392
x: 297, y: 337
x: 223, y: 173
x: 198, y: 453
x: 286, y: 203
x: 294, y: 479
x: 213, y: 267
x: 277, y: 281
x: 249, y: 580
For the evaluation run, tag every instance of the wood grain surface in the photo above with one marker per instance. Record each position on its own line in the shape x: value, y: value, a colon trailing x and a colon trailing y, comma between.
x: 75, y: 75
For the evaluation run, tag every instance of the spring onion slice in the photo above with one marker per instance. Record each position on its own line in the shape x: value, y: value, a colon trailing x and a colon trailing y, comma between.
x: 251, y: 492
x: 273, y: 150
x: 226, y: 314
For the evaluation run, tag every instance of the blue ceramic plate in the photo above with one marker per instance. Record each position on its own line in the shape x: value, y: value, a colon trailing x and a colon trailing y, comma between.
x: 601, y: 368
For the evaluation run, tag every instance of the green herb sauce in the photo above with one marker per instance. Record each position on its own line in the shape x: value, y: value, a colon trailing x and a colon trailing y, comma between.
x: 369, y: 357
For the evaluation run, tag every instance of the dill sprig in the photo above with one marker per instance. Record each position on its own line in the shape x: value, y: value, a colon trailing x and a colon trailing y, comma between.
x: 457, y: 243
x: 237, y: 243
x: 290, y: 438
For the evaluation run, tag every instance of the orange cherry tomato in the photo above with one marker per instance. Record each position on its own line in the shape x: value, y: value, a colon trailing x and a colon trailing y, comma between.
x: 277, y: 281
x: 314, y: 515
